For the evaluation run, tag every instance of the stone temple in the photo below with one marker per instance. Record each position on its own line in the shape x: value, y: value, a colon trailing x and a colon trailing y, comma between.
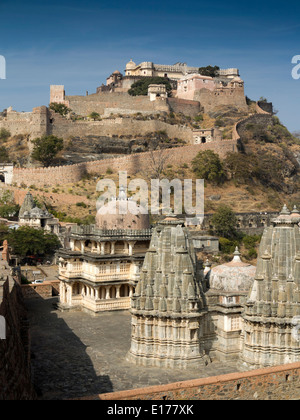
x: 272, y: 311
x: 184, y: 314
x: 168, y: 303
x: 99, y: 268
x: 31, y: 215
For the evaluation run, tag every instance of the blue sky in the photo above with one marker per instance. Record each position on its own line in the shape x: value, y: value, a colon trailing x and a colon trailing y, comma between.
x: 79, y: 44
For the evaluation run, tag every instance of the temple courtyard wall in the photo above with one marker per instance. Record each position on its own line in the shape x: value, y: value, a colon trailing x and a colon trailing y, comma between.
x: 15, y: 372
x: 275, y: 383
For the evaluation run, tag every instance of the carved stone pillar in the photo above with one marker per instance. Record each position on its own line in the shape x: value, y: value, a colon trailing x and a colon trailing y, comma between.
x: 112, y: 247
x: 131, y: 245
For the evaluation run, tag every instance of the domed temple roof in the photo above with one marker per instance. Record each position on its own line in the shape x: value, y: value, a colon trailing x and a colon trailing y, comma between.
x: 233, y: 276
x: 122, y: 213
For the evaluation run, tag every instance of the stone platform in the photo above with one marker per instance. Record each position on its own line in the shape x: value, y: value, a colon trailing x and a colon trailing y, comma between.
x: 75, y: 354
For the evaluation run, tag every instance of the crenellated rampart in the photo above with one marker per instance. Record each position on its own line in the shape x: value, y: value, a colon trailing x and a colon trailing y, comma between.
x: 262, y: 117
x: 133, y: 164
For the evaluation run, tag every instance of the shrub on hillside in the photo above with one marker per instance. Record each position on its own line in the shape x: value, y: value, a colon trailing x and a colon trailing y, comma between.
x: 4, y: 156
x: 46, y: 148
x: 264, y: 168
x: 207, y: 165
x: 94, y: 116
x: 4, y: 134
x: 224, y: 222
x: 227, y: 246
x: 81, y: 204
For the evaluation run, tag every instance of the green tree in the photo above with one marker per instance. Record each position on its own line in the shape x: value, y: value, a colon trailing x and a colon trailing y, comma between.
x: 9, y: 210
x: 141, y: 86
x: 239, y: 167
x: 224, y: 222
x: 61, y: 109
x: 29, y: 241
x: 94, y: 116
x: 4, y: 229
x: 4, y: 156
x: 208, y: 166
x: 8, y: 207
x: 227, y: 246
x: 211, y: 71
x: 4, y: 134
x: 46, y: 148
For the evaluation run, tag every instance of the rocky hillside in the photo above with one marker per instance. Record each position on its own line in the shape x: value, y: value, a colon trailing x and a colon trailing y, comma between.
x: 262, y: 177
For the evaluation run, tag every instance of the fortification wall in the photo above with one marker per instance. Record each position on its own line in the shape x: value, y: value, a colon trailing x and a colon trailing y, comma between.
x: 209, y: 100
x: 274, y: 383
x: 184, y: 106
x: 264, y: 119
x: 98, y: 102
x: 263, y: 107
x: 131, y: 163
x: 33, y: 124
x: 15, y: 377
x: 65, y: 128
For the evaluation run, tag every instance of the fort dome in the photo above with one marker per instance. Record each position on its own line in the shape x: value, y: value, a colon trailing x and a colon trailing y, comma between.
x: 233, y: 276
x: 236, y: 79
x: 122, y: 213
x: 130, y: 65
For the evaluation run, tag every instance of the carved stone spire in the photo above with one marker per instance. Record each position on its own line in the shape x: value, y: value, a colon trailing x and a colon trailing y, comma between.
x: 274, y: 299
x: 172, y: 294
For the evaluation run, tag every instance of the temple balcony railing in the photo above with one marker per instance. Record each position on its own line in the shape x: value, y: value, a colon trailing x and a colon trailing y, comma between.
x: 84, y: 230
x: 95, y: 277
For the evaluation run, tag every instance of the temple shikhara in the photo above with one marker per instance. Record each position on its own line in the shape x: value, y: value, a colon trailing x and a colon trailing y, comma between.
x: 185, y: 312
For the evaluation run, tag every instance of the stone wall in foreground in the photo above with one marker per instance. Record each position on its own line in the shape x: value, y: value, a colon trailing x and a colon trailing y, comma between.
x: 15, y: 375
x: 274, y: 383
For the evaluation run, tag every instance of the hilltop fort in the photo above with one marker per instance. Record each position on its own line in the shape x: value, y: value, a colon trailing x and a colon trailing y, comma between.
x: 192, y: 93
x: 112, y: 122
